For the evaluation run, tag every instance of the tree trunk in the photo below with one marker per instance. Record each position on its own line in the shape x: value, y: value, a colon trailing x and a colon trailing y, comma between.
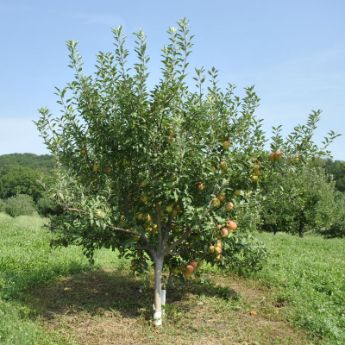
x: 157, y: 316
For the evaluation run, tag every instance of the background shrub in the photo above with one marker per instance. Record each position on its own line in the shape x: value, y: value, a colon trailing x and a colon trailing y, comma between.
x: 19, y: 205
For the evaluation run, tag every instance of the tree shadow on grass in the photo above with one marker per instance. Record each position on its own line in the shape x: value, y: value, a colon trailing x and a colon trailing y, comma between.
x: 101, y: 291
x: 201, y: 287
x: 17, y: 281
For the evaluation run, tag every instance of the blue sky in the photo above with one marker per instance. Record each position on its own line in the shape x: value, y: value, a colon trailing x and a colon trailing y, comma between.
x: 292, y: 51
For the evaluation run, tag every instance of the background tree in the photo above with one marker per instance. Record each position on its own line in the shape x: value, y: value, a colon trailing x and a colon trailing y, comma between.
x: 21, y: 180
x: 297, y: 194
x: 337, y: 170
x: 161, y: 174
x: 301, y: 200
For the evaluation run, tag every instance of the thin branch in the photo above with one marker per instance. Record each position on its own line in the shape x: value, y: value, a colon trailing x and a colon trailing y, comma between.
x: 73, y: 209
x: 128, y: 231
x: 116, y: 228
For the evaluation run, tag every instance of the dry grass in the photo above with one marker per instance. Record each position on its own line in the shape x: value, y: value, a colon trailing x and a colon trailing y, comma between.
x: 109, y: 307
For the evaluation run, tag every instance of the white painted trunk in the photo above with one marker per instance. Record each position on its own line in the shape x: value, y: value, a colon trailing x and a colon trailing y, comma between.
x: 157, y: 316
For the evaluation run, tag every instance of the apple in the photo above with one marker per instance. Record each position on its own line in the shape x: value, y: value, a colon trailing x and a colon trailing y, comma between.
x: 148, y: 218
x: 218, y: 257
x: 238, y: 192
x: 229, y: 206
x: 226, y: 144
x: 223, y: 166
x: 218, y: 249
x: 256, y: 166
x: 296, y: 158
x: 189, y: 269
x: 194, y: 264
x: 254, y: 178
x: 215, y: 202
x: 279, y: 153
x: 224, y: 232
x: 200, y: 185
x: 221, y: 197
x: 272, y: 156
x: 211, y: 249
x: 231, y: 225
x: 275, y: 155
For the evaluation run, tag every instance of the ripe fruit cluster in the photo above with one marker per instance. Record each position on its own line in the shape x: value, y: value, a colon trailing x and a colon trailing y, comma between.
x: 217, y: 201
x: 146, y: 218
x: 230, y: 226
x: 275, y: 155
x: 190, y: 268
x: 256, y: 172
x: 217, y: 249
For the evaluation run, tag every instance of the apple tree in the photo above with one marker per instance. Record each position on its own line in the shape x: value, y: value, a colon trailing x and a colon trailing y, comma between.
x: 160, y: 173
x: 296, y: 194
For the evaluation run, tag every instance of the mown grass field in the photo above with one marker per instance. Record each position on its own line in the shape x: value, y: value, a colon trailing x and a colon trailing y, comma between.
x: 55, y: 297
x: 309, y: 279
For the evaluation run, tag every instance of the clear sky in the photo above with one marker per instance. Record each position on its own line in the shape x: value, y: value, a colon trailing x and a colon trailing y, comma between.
x: 293, y: 51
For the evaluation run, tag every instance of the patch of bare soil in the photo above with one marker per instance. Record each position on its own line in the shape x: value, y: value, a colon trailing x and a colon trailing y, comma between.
x: 113, y: 308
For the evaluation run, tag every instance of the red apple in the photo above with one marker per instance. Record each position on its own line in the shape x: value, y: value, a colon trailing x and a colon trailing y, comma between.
x: 194, y: 264
x: 231, y: 225
x: 224, y: 232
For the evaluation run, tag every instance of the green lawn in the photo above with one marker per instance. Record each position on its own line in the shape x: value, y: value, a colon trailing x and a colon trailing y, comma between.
x: 303, y: 282
x: 309, y: 277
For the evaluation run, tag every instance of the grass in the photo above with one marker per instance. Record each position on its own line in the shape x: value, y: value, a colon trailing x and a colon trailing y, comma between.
x: 309, y: 278
x: 27, y: 262
x: 56, y: 298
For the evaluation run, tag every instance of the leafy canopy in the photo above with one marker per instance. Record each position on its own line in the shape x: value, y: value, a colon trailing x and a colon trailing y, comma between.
x: 155, y: 171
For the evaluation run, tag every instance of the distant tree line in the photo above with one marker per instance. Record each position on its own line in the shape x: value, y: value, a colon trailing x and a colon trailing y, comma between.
x: 43, y: 163
x: 24, y: 179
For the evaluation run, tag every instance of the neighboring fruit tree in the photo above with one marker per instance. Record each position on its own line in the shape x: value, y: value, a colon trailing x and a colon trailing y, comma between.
x: 296, y: 194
